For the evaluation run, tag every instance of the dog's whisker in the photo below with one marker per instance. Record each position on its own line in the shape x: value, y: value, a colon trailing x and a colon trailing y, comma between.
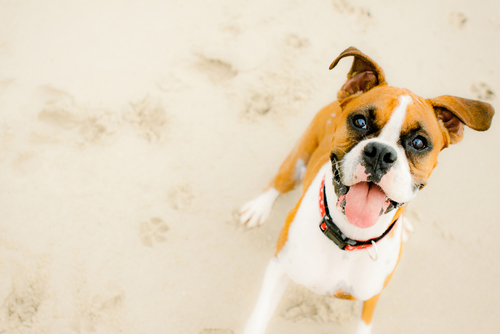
x: 369, y: 182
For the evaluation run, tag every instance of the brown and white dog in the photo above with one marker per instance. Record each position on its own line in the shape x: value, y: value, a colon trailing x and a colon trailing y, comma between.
x: 365, y: 156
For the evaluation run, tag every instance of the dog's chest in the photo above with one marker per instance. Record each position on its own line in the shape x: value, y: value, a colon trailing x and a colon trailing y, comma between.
x: 314, y: 261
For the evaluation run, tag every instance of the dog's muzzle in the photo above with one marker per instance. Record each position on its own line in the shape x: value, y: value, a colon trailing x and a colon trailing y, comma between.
x: 378, y: 158
x: 341, y: 190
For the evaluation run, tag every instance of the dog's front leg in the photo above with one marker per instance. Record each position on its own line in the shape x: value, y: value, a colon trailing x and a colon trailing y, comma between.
x: 291, y: 172
x: 273, y: 287
x: 365, y: 321
x: 256, y: 212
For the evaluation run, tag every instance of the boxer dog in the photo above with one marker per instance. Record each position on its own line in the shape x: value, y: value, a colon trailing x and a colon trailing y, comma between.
x: 361, y: 160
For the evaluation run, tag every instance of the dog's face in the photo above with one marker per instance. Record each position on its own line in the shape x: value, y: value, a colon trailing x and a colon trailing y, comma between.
x: 383, y: 151
x: 387, y: 142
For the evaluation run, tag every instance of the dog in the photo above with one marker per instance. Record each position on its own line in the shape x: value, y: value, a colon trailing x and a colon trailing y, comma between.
x: 361, y: 160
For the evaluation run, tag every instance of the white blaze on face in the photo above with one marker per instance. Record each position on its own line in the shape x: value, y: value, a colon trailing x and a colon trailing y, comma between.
x: 392, y: 129
x: 397, y: 183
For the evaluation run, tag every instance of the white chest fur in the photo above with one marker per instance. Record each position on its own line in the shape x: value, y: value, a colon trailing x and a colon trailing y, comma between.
x: 310, y: 259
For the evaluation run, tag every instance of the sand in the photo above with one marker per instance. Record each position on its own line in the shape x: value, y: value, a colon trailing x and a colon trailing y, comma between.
x: 132, y: 131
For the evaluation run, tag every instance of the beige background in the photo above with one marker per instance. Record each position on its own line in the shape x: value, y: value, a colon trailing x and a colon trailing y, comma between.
x: 132, y: 131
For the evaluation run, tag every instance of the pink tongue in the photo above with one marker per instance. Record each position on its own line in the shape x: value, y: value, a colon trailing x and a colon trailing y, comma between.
x: 364, y: 203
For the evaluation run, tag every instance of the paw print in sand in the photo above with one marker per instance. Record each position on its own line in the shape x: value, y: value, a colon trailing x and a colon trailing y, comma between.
x: 482, y: 91
x: 153, y: 231
x: 457, y: 19
x: 149, y: 118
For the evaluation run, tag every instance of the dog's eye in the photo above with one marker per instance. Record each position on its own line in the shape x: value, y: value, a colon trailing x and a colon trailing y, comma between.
x: 419, y: 143
x: 359, y: 121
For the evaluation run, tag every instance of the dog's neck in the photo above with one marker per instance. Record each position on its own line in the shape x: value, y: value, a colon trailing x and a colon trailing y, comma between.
x: 340, y: 220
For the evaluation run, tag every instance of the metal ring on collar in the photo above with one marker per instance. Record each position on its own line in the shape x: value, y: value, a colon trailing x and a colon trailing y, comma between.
x: 376, y: 251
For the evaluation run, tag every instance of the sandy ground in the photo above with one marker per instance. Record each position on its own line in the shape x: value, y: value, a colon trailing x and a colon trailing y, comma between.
x: 132, y: 131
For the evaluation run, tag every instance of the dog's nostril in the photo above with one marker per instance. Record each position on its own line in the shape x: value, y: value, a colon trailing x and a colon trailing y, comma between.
x: 390, y: 157
x: 379, y: 155
x: 378, y: 158
x: 370, y: 151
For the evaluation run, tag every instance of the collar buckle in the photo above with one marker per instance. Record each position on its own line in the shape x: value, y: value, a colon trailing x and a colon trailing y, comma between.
x: 333, y: 232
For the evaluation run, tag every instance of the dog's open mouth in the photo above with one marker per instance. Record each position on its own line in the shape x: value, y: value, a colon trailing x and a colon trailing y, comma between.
x: 362, y: 203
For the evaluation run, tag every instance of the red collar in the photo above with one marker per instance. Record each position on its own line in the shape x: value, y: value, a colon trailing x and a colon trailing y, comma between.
x: 332, y: 231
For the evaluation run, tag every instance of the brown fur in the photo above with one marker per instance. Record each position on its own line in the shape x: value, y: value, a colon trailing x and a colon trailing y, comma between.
x: 314, y: 150
x: 441, y: 119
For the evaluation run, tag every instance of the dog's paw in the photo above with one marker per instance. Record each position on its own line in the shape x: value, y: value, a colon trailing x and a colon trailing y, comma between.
x: 256, y: 212
x: 407, y: 229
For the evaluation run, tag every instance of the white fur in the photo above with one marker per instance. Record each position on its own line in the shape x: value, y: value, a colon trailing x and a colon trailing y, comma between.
x: 273, y: 287
x: 363, y: 328
x: 397, y: 183
x: 300, y: 170
x: 256, y: 212
x: 347, y: 228
x: 407, y: 230
x: 392, y: 129
x: 312, y: 260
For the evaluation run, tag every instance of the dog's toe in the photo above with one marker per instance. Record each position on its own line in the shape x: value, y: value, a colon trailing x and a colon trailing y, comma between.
x: 257, y: 211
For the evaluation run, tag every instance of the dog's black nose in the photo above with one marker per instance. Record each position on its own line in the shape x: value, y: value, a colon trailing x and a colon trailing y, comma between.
x: 378, y: 159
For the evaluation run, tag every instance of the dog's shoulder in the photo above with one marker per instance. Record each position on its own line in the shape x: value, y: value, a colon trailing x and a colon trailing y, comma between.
x: 323, y: 126
x: 325, y: 120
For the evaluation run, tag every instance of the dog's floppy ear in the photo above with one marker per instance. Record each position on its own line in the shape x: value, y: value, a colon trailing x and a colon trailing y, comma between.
x: 363, y: 76
x: 454, y: 112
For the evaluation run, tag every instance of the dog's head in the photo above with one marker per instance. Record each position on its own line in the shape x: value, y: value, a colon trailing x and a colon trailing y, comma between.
x: 387, y: 142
